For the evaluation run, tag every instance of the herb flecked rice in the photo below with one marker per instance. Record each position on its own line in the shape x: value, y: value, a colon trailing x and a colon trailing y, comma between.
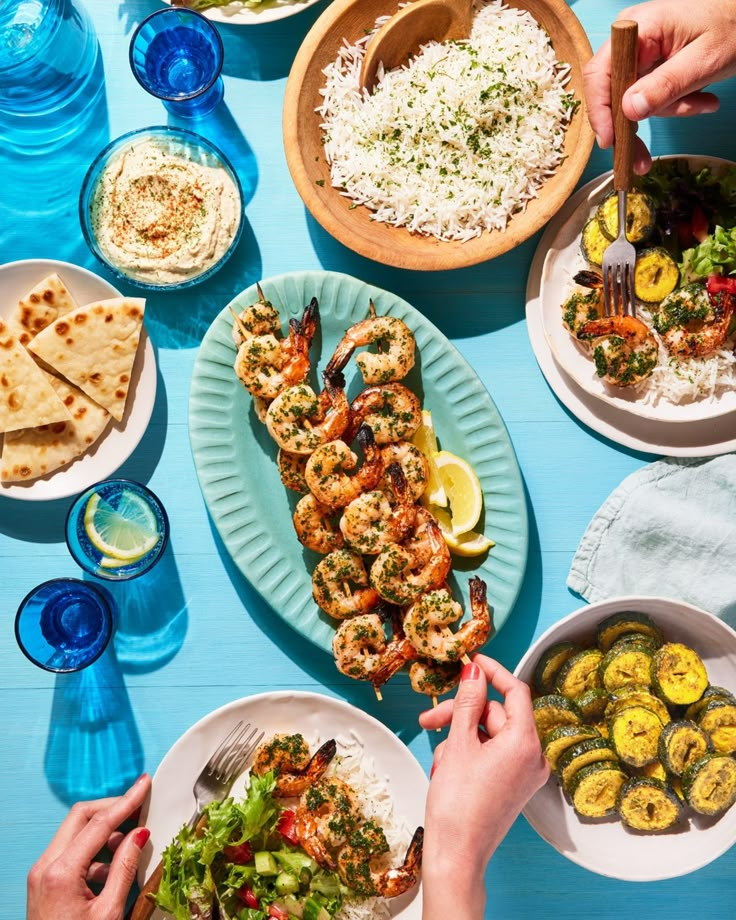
x: 458, y: 140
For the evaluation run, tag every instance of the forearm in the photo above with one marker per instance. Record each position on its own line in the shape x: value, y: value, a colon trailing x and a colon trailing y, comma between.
x: 452, y: 879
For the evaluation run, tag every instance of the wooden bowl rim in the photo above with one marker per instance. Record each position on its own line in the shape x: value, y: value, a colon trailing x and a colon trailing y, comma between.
x: 395, y: 245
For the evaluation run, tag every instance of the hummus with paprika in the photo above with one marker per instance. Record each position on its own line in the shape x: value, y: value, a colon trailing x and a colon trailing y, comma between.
x: 162, y: 218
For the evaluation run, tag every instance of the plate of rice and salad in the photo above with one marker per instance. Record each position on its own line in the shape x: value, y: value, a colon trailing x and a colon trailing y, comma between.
x: 674, y: 362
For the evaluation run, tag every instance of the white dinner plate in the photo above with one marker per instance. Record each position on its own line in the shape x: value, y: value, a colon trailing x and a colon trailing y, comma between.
x: 605, y: 846
x: 238, y: 15
x: 315, y: 716
x: 120, y: 439
x: 562, y: 259
x: 705, y: 438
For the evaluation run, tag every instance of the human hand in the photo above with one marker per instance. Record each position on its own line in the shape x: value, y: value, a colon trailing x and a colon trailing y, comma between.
x: 57, y: 883
x: 482, y: 776
x: 683, y: 46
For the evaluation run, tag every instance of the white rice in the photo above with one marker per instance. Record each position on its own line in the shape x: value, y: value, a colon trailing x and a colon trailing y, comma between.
x: 461, y: 138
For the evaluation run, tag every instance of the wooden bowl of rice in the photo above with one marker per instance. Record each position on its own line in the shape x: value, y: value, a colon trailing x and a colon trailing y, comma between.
x: 461, y: 237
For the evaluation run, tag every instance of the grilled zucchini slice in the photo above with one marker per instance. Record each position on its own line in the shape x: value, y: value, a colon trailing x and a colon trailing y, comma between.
x: 639, y: 638
x: 654, y: 770
x: 592, y: 704
x: 549, y: 664
x: 593, y: 242
x: 640, y: 216
x: 580, y: 755
x: 709, y: 784
x: 648, y: 804
x: 637, y: 696
x: 712, y: 693
x: 594, y: 789
x: 680, y: 744
x: 718, y: 719
x: 619, y: 624
x: 678, y: 674
x: 655, y: 275
x: 553, y: 710
x: 626, y: 664
x: 635, y: 735
x: 579, y: 673
x: 556, y: 742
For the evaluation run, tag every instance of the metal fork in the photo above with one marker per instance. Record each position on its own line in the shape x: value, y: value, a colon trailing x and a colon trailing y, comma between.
x: 619, y: 259
x: 212, y: 785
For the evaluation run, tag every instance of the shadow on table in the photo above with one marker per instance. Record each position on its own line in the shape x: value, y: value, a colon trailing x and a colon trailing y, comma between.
x: 93, y: 748
x: 400, y: 714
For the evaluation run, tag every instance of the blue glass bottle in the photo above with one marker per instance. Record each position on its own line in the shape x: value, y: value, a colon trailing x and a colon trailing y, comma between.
x: 50, y: 72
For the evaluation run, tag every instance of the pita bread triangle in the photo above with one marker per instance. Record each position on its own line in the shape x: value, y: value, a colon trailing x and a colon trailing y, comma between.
x: 47, y: 301
x: 27, y: 398
x: 94, y: 347
x: 34, y: 452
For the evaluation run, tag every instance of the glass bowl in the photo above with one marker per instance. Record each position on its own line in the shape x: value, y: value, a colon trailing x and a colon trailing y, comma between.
x: 133, y: 188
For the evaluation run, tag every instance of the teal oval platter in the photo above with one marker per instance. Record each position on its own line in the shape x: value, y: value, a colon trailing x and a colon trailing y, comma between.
x: 235, y: 458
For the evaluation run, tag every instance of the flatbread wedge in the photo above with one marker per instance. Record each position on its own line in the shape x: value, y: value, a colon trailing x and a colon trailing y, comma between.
x: 27, y: 398
x: 94, y: 347
x: 47, y: 301
x: 34, y: 452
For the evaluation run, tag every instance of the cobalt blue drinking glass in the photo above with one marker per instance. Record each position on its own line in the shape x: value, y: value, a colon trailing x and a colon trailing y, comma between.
x: 50, y: 72
x: 64, y: 624
x: 176, y: 55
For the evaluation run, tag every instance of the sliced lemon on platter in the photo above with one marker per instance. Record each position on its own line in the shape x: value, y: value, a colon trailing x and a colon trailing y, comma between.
x: 123, y: 534
x: 463, y: 490
x: 466, y: 544
x: 426, y: 440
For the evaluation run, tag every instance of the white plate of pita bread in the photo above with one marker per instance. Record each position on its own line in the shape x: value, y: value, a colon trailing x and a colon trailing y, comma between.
x: 77, y: 378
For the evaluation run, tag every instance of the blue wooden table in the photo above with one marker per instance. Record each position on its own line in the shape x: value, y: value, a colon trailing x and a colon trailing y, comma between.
x: 206, y: 637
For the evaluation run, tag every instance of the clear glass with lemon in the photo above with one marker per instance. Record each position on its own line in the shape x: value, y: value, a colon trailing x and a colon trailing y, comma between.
x: 117, y: 529
x: 453, y: 494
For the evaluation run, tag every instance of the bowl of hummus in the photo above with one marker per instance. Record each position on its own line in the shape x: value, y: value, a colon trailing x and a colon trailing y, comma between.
x: 162, y: 208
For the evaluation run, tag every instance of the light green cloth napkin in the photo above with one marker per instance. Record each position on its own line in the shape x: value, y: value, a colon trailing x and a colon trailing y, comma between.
x: 669, y: 530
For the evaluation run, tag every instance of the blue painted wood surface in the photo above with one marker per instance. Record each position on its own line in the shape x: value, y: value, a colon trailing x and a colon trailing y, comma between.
x: 196, y: 636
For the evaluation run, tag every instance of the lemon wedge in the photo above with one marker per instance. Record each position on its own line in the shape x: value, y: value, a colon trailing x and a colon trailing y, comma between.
x: 426, y: 440
x: 123, y: 534
x: 463, y: 490
x: 466, y: 544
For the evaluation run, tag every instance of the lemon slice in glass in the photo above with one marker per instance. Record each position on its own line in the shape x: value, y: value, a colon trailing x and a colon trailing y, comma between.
x: 426, y: 440
x: 466, y: 544
x: 124, y: 534
x: 463, y: 490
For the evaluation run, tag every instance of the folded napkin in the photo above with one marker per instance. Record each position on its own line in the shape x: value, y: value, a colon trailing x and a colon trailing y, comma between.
x: 669, y: 530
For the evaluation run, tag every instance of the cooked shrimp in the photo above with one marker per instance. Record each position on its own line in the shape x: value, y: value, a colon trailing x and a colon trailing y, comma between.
x: 364, y: 845
x: 291, y: 469
x: 327, y: 469
x: 325, y: 817
x: 580, y: 308
x: 362, y: 651
x: 266, y: 365
x: 434, y: 677
x: 371, y: 521
x: 260, y: 405
x: 624, y: 349
x: 289, y: 758
x: 401, y: 574
x: 414, y: 464
x: 694, y: 323
x: 334, y: 582
x: 259, y: 318
x: 300, y: 421
x: 393, y: 412
x: 395, y: 357
x: 314, y: 526
x: 427, y: 623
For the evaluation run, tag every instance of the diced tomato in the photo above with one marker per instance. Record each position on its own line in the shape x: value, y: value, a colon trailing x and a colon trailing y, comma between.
x: 247, y: 895
x: 240, y: 854
x: 285, y: 826
x: 717, y: 283
x: 699, y: 224
x: 275, y: 911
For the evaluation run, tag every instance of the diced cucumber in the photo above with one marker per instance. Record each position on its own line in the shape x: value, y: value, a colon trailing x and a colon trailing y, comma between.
x: 292, y: 906
x: 286, y: 883
x: 313, y: 910
x: 265, y: 863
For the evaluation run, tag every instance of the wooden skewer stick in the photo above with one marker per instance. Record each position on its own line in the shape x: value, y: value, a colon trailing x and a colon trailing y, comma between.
x: 241, y: 325
x: 379, y: 695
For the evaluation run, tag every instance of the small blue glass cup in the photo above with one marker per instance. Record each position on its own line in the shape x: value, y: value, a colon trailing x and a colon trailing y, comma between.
x: 176, y: 55
x: 64, y: 625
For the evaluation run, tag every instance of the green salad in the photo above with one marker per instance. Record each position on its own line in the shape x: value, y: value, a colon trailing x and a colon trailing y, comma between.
x: 243, y: 862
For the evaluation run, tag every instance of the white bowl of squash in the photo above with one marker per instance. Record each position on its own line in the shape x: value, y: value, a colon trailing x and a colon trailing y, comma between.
x: 635, y: 704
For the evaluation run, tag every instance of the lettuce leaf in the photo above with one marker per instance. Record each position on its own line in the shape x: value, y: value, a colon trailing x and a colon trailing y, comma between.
x: 716, y: 255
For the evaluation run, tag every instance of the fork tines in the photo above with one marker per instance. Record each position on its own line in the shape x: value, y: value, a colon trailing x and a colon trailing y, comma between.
x: 234, y: 751
x: 618, y: 289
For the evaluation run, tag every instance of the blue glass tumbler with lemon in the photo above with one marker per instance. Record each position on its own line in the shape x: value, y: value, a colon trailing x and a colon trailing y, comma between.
x: 117, y: 529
